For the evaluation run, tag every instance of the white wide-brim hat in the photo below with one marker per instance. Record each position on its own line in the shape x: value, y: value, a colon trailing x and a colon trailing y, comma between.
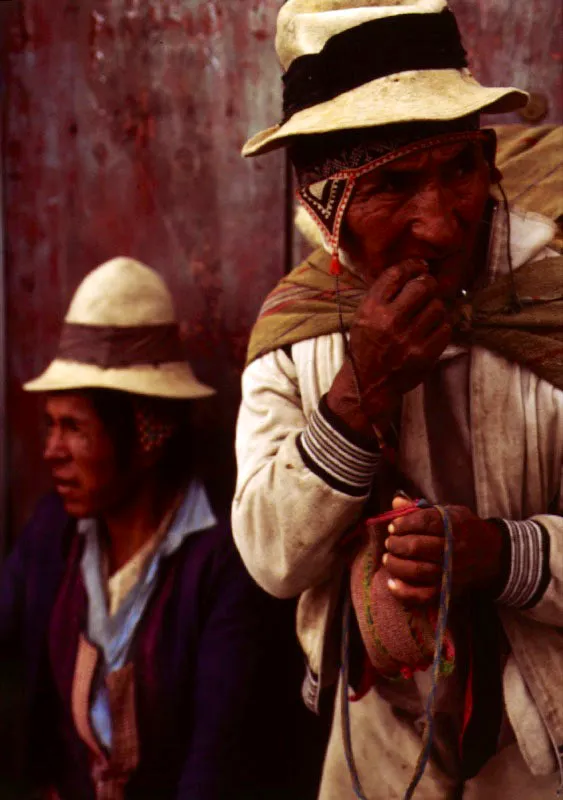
x: 121, y: 333
x: 363, y: 63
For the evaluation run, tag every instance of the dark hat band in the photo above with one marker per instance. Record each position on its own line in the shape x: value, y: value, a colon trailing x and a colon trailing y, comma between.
x: 115, y: 347
x: 373, y: 50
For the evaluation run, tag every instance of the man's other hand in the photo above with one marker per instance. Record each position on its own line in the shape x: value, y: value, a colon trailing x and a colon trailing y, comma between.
x: 415, y: 553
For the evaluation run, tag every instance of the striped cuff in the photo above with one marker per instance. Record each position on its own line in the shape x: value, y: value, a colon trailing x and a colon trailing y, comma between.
x: 344, y: 459
x: 310, y: 690
x: 528, y: 569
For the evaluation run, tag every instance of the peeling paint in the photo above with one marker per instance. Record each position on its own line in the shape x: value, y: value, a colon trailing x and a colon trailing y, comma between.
x: 124, y: 128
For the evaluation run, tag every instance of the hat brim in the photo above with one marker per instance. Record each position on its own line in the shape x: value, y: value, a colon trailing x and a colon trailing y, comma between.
x: 172, y: 380
x: 404, y: 97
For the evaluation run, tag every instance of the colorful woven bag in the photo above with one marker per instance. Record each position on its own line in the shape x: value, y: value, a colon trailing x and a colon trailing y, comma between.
x: 398, y: 640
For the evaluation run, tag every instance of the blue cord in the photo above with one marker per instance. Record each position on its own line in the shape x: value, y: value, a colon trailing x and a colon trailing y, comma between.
x: 445, y: 597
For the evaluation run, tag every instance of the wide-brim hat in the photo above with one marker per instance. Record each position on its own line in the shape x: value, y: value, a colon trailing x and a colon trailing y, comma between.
x: 352, y: 64
x: 121, y: 333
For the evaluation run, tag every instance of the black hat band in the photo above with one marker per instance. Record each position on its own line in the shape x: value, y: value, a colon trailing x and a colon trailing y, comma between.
x: 374, y: 49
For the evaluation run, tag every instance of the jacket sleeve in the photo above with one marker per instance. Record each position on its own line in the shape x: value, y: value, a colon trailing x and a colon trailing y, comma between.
x: 37, y: 550
x: 12, y: 596
x: 533, y: 557
x: 25, y: 576
x: 12, y: 583
x: 239, y: 705
x: 301, y: 481
x: 534, y: 572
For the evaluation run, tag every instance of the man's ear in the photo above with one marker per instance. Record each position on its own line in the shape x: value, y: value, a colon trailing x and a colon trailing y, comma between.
x: 146, y: 459
x: 490, y: 153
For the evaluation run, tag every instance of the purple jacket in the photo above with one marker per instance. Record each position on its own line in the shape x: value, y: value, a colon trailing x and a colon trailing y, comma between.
x: 217, y: 668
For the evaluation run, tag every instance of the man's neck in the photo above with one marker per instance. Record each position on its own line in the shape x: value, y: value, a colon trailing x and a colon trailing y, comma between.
x: 130, y: 526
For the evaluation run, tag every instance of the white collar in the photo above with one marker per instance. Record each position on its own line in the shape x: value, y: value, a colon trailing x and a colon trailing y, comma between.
x: 530, y: 235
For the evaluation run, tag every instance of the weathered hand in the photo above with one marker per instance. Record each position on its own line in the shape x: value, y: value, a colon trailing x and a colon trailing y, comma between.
x: 398, y: 334
x: 415, y: 552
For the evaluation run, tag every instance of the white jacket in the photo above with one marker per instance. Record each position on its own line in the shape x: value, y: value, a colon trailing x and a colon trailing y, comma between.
x: 302, y: 483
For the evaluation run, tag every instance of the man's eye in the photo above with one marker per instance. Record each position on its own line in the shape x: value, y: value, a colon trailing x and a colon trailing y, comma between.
x: 71, y: 426
x: 464, y: 165
x: 396, y: 182
x: 393, y: 183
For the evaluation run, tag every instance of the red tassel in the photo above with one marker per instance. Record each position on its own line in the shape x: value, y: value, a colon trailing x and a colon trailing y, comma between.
x: 366, y: 681
x: 335, y: 266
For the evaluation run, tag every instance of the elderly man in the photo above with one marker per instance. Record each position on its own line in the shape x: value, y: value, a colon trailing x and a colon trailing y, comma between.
x: 417, y: 353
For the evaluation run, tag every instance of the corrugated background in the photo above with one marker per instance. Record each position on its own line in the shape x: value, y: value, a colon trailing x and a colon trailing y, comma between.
x: 123, y: 122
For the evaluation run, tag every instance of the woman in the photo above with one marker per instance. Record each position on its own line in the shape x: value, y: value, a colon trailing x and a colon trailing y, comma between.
x: 146, y: 647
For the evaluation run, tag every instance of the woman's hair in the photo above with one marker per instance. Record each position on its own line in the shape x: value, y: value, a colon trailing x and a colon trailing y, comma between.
x: 175, y: 461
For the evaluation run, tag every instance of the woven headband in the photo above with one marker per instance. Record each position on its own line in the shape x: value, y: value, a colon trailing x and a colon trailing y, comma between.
x: 317, y: 157
x: 369, y: 51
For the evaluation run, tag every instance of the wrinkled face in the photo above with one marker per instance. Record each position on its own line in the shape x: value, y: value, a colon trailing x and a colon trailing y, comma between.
x: 426, y: 205
x: 82, y: 457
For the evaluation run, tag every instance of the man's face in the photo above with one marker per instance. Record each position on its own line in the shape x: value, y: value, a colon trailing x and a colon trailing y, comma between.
x: 81, y: 456
x: 428, y: 205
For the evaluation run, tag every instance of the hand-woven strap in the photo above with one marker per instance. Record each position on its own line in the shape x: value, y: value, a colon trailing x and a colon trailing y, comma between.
x: 444, y: 607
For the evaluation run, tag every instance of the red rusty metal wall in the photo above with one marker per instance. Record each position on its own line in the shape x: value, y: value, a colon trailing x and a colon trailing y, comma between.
x: 124, y: 122
x: 516, y: 43
x: 124, y: 125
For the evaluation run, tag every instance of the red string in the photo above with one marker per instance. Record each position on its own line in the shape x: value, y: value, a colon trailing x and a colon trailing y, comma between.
x: 415, y: 505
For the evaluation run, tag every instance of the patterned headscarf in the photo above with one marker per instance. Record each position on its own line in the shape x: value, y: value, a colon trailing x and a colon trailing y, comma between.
x: 329, y: 164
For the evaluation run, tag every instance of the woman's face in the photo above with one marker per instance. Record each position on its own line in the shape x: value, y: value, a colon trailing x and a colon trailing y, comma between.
x: 82, y: 457
x: 428, y: 205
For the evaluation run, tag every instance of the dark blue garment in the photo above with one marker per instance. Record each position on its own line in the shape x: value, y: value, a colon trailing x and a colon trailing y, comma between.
x: 219, y: 711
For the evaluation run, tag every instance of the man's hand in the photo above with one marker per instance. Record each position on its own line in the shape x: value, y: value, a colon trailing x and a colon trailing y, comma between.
x: 415, y: 553
x: 399, y: 332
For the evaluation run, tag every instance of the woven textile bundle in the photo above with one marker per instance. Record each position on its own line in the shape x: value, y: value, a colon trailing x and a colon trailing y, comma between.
x: 398, y: 640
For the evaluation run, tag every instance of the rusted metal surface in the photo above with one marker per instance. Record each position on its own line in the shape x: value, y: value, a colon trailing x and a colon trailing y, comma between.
x: 5, y: 7
x: 3, y: 374
x: 516, y: 43
x: 125, y: 122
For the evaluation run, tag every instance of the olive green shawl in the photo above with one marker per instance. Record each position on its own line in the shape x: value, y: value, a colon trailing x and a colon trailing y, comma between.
x: 305, y: 305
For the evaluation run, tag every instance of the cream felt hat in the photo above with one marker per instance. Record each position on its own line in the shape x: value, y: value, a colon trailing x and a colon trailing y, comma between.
x: 121, y: 332
x: 363, y: 63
